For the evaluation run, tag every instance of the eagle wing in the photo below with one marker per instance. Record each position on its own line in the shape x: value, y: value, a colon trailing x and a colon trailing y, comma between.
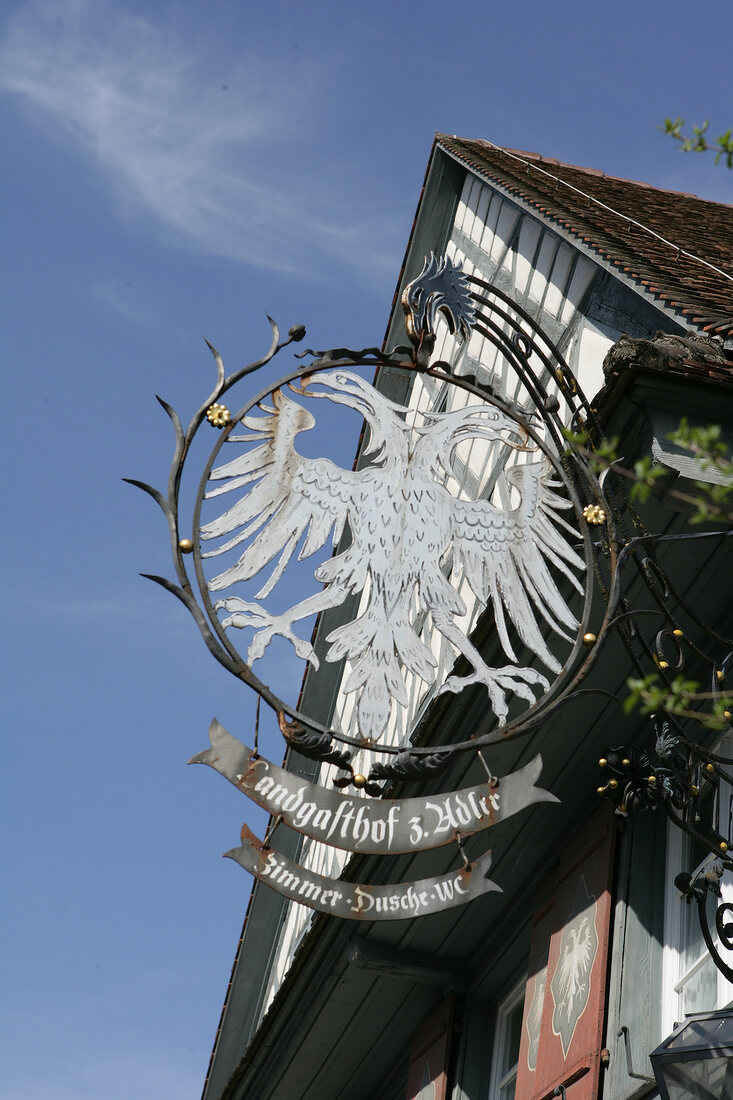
x: 286, y: 495
x: 506, y: 557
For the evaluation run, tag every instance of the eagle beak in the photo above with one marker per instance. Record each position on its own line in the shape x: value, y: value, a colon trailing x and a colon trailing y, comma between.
x: 305, y: 387
x: 302, y: 387
x: 523, y: 444
x: 506, y: 432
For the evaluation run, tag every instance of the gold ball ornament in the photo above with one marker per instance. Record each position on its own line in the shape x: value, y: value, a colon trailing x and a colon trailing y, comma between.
x: 594, y: 514
x: 613, y: 784
x: 710, y: 769
x: 218, y: 415
x: 359, y: 780
x: 678, y: 634
x: 603, y: 763
x: 185, y: 546
x: 723, y: 846
x: 589, y: 639
x: 727, y: 715
x: 626, y: 762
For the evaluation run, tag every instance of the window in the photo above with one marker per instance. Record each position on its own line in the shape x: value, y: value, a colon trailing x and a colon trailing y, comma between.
x: 692, y: 983
x: 507, y: 1037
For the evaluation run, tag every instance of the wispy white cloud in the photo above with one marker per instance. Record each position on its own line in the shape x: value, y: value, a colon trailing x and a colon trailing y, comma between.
x: 120, y: 298
x: 173, y: 142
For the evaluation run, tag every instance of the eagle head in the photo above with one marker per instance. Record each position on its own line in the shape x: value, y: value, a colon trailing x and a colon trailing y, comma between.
x: 383, y: 417
x: 443, y: 432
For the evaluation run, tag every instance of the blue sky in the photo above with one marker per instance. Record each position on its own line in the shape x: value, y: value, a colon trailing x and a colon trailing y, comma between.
x: 172, y: 172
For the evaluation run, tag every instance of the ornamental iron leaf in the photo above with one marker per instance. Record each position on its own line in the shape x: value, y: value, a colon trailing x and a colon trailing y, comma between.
x: 311, y: 743
x: 632, y: 782
x: 410, y: 765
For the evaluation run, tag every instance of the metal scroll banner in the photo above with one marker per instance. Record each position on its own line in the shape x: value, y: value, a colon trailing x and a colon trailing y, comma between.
x: 462, y: 557
x: 356, y: 901
x: 383, y: 827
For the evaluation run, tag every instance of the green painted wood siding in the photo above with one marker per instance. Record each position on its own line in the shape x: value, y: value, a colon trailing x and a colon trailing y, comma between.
x: 635, y: 979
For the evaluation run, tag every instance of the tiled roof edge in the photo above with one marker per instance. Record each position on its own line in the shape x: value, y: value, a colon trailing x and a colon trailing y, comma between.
x: 659, y: 297
x: 597, y: 172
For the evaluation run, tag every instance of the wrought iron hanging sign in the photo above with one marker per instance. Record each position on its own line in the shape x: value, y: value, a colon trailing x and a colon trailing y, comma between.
x: 466, y: 509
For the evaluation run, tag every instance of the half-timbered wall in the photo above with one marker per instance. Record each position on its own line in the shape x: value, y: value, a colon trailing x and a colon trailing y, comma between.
x: 559, y: 288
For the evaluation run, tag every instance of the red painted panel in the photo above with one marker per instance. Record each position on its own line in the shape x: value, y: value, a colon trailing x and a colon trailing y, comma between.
x: 427, y: 1077
x: 562, y: 1028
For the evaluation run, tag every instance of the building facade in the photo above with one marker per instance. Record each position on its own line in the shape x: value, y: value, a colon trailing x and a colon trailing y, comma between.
x: 582, y: 964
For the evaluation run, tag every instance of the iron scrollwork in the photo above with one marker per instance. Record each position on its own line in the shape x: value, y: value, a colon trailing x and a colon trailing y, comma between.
x: 536, y: 549
x: 696, y: 889
x: 635, y: 780
x: 281, y: 504
x: 679, y: 773
x: 414, y: 542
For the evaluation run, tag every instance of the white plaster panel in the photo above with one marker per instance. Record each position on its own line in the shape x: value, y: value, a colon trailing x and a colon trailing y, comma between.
x: 529, y: 234
x: 560, y: 269
x: 481, y: 211
x: 508, y: 216
x: 541, y: 274
x: 471, y: 205
x: 593, y: 348
x: 492, y: 217
x: 463, y: 201
x: 584, y: 270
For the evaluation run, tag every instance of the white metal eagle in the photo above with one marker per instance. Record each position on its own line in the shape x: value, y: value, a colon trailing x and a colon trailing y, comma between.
x: 404, y: 524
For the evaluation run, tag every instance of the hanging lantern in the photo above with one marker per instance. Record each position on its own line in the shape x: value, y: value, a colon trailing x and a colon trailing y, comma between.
x: 697, y: 1059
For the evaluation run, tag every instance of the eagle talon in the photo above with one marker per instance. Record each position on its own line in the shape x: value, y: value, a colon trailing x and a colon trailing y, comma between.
x: 267, y: 626
x: 498, y: 682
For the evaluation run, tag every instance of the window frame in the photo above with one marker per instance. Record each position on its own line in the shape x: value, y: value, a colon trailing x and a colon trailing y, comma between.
x: 501, y: 1077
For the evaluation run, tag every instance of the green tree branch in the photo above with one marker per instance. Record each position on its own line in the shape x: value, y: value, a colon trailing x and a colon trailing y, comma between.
x: 697, y: 142
x: 710, y: 502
